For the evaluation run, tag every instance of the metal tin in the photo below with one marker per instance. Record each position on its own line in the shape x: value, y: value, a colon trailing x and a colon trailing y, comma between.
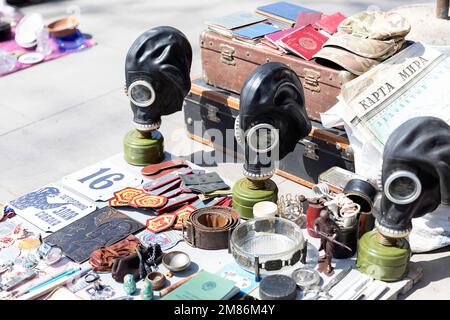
x: 312, y: 213
x: 349, y: 237
x: 277, y: 287
x: 362, y: 193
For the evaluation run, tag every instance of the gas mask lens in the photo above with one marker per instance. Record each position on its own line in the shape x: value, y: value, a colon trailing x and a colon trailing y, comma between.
x: 402, y: 187
x: 141, y: 93
x: 262, y: 138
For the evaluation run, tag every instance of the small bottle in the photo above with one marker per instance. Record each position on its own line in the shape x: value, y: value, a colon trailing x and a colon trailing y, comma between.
x: 43, y: 41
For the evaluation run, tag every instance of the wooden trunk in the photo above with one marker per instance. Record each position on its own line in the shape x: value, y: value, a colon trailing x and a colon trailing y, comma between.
x: 227, y: 64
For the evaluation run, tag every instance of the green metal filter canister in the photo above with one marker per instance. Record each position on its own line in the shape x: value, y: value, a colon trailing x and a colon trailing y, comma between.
x: 381, y: 261
x: 244, y: 198
x: 140, y: 150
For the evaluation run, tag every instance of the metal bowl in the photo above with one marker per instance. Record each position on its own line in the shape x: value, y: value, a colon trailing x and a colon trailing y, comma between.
x: 63, y: 27
x: 156, y: 279
x: 176, y: 261
x: 266, y: 239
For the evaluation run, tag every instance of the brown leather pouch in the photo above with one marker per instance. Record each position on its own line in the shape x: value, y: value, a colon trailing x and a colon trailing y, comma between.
x: 137, y: 264
x: 102, y: 259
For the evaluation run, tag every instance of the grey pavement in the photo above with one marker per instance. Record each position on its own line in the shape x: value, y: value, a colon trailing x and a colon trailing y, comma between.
x: 60, y: 116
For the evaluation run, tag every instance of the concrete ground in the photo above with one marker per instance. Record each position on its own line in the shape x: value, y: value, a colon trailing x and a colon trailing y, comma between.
x: 60, y: 116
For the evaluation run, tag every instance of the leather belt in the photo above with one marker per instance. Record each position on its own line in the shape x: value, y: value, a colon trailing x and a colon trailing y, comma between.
x: 210, y: 227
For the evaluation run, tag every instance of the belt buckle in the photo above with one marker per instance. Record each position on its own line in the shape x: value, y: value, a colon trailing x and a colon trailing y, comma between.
x: 187, y: 224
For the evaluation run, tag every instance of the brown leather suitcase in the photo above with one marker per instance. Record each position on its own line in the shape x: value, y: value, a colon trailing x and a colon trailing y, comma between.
x: 227, y: 63
x: 209, y: 115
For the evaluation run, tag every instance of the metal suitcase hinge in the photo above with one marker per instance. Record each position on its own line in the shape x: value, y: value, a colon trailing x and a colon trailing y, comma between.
x: 311, y: 79
x: 310, y: 150
x: 227, y: 54
x: 213, y: 113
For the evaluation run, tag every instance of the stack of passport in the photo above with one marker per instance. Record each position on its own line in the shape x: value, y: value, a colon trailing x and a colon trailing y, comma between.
x: 283, y: 27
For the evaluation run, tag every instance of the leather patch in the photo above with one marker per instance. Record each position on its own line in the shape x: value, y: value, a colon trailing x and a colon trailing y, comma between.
x: 168, y: 178
x: 215, y: 202
x: 161, y: 223
x: 165, y: 188
x: 183, y: 214
x: 174, y: 192
x: 159, y: 169
x: 273, y: 265
x: 180, y: 199
x: 148, y: 201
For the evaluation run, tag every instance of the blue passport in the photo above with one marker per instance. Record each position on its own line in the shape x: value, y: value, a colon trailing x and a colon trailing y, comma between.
x: 284, y: 10
x: 255, y: 31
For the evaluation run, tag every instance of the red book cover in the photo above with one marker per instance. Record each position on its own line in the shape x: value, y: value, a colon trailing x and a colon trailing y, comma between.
x: 305, y: 18
x: 331, y: 22
x: 304, y: 42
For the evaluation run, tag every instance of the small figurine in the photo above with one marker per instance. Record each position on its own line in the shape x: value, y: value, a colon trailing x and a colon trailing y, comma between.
x: 146, y: 291
x: 328, y: 230
x: 129, y: 284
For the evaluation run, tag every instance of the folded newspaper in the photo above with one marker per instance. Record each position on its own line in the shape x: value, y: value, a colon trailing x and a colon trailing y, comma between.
x: 414, y: 82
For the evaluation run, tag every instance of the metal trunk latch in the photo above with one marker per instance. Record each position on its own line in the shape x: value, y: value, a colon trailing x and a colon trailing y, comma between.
x: 213, y: 113
x: 310, y: 150
x: 312, y: 78
x: 347, y: 154
x: 227, y: 54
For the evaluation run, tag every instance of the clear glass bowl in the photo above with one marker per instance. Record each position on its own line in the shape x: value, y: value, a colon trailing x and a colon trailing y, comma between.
x: 266, y: 238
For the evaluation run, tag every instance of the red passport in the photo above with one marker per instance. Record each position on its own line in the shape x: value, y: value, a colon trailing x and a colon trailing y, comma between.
x: 330, y: 23
x: 304, y: 42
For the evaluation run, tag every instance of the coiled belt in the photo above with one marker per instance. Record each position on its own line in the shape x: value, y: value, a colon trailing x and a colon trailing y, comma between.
x: 210, y: 227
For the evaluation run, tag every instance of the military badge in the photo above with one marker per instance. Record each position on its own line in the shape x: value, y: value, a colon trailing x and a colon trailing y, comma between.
x: 148, y: 201
x: 161, y: 222
x: 116, y: 203
x: 183, y: 214
x: 125, y: 195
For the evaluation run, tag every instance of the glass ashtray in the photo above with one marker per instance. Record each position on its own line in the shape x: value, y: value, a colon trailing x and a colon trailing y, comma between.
x: 269, y: 244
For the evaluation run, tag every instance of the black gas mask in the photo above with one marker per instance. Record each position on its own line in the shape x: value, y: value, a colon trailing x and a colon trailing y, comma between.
x: 157, y: 70
x: 272, y: 118
x: 415, y: 174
